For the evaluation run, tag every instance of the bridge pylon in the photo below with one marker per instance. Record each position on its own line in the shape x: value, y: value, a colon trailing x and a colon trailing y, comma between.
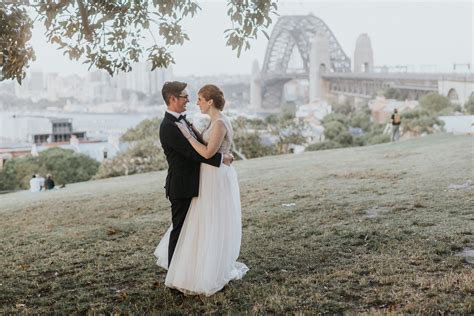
x: 256, y: 88
x: 363, y: 55
x: 320, y: 62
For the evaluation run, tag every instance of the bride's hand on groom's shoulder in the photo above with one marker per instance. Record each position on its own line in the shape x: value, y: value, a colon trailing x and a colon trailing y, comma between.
x: 184, y: 130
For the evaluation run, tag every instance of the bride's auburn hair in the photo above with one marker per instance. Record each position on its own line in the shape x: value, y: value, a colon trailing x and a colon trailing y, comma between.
x: 212, y: 92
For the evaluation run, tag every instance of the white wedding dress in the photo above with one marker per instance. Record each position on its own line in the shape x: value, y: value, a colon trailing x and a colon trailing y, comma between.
x: 205, y: 258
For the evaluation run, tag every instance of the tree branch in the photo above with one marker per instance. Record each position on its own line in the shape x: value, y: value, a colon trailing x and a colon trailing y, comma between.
x: 85, y: 21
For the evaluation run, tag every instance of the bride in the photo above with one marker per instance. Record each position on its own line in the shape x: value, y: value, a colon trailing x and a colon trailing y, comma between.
x: 205, y: 258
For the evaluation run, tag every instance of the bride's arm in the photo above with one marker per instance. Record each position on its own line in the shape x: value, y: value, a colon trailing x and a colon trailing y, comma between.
x: 215, y: 140
x: 198, y: 134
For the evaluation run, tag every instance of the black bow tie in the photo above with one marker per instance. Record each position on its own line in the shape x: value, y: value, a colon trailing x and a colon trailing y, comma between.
x: 182, y: 117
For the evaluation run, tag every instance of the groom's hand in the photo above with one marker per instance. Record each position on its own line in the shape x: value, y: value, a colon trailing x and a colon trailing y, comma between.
x: 228, y: 158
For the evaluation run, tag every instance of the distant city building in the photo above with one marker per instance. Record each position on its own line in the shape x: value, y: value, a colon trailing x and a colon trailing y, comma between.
x: 37, y: 81
x: 142, y: 79
x: 13, y: 150
x: 97, y: 86
x: 32, y: 87
x: 313, y: 111
x: 61, y: 132
x: 98, y: 150
x: 38, y: 129
x: 236, y: 88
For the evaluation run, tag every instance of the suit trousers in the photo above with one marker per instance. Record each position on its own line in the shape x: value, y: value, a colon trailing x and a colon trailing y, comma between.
x: 179, y: 210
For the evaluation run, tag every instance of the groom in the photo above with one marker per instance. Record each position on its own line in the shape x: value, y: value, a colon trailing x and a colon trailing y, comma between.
x: 182, y: 181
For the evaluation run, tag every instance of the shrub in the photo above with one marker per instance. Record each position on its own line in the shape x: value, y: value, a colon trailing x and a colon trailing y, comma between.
x: 65, y: 165
x: 342, y: 108
x: 469, y: 105
x: 434, y: 102
x: 323, y: 146
x: 378, y: 139
x: 337, y: 132
x: 420, y: 121
x: 397, y: 94
x: 361, y: 119
x: 149, y: 128
x: 250, y: 145
x: 344, y: 119
x: 143, y: 156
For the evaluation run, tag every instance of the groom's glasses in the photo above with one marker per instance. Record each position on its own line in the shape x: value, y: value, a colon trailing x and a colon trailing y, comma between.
x: 186, y: 97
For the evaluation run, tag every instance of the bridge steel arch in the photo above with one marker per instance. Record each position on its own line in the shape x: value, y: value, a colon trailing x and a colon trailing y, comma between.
x: 299, y: 31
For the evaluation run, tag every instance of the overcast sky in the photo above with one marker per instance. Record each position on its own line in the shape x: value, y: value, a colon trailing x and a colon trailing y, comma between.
x: 402, y: 33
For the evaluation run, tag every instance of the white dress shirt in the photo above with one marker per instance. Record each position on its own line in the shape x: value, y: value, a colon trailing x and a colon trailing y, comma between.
x: 175, y: 114
x: 35, y: 185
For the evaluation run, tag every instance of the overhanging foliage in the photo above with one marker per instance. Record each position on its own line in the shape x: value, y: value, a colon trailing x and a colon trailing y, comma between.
x: 112, y: 35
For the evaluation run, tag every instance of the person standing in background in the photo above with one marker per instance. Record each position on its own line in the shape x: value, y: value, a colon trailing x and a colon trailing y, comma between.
x: 396, y: 121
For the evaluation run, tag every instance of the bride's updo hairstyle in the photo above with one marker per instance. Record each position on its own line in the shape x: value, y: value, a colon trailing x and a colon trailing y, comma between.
x: 212, y: 92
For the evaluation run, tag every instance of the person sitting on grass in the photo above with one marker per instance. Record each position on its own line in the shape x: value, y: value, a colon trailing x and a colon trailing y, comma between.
x: 49, y: 182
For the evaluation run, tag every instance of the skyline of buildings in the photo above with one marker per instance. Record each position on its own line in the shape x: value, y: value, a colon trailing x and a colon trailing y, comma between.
x: 95, y: 86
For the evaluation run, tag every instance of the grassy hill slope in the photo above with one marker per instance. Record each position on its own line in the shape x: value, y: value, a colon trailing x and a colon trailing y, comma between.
x: 369, y: 229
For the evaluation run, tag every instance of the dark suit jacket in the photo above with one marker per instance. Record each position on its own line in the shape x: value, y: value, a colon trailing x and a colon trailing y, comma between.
x: 184, y: 162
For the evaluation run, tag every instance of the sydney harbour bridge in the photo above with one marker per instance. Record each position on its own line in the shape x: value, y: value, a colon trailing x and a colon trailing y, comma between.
x: 329, y: 71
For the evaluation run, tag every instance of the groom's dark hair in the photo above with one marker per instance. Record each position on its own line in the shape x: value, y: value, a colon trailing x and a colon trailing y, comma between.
x: 171, y: 88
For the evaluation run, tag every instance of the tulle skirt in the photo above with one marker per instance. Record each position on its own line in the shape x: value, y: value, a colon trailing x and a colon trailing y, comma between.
x: 205, y: 258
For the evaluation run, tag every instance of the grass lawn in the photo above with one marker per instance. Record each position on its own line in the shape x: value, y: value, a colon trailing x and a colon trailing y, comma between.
x: 369, y: 229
